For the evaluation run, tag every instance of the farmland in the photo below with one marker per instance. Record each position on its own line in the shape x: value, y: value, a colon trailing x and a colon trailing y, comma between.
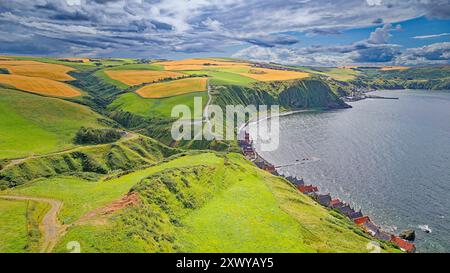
x: 263, y: 74
x: 137, y: 77
x: 241, y: 70
x: 49, y: 123
x: 55, y: 72
x: 39, y: 86
x: 223, y: 77
x: 199, y: 64
x: 387, y: 68
x: 173, y: 88
x: 13, y: 227
x: 135, y: 104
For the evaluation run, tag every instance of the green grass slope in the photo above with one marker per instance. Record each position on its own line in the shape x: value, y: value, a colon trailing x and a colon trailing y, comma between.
x: 13, y: 226
x: 133, y: 103
x: 80, y: 195
x: 88, y: 161
x: 223, y: 77
x: 32, y: 124
x: 217, y: 203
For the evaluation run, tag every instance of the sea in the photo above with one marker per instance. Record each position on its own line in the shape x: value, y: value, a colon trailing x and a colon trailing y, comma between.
x: 389, y: 158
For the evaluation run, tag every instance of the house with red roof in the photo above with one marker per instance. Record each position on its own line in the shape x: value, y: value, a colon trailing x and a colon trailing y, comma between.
x: 307, y: 189
x: 335, y: 203
x: 403, y: 244
x: 361, y: 220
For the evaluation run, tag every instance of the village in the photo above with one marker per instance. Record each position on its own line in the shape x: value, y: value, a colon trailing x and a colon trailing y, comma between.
x: 326, y: 200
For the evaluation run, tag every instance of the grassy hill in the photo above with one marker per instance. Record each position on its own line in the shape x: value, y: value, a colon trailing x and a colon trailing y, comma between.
x: 13, y: 226
x: 213, y: 203
x: 186, y: 201
x: 33, y: 124
x: 88, y: 161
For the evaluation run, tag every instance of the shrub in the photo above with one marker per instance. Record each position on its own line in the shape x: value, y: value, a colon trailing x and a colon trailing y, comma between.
x: 96, y: 136
x: 4, y: 71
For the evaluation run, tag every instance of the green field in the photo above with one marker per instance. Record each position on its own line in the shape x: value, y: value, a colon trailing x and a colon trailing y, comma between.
x: 341, y: 74
x: 32, y: 124
x: 80, y: 196
x: 13, y: 226
x: 135, y: 104
x: 223, y: 77
x: 137, y: 67
x: 210, y: 203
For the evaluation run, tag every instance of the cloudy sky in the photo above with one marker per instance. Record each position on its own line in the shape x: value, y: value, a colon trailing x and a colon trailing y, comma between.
x: 303, y: 32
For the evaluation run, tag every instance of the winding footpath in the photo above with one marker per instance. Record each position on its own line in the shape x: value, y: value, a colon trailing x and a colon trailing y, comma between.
x: 50, y: 226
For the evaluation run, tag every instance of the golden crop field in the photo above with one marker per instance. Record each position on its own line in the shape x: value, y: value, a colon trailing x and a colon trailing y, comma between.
x: 264, y: 74
x: 55, y: 72
x: 39, y: 85
x: 387, y: 68
x: 78, y: 60
x: 136, y: 77
x: 199, y: 64
x: 242, y: 68
x: 173, y: 88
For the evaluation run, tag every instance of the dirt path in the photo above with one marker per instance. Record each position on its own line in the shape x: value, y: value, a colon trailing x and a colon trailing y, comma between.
x: 205, y: 112
x: 50, y: 227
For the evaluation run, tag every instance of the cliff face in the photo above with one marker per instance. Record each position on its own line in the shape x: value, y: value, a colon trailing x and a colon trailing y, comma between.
x: 298, y: 94
x: 310, y: 94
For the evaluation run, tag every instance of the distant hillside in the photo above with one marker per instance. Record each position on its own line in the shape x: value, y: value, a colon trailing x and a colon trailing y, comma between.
x: 430, y: 78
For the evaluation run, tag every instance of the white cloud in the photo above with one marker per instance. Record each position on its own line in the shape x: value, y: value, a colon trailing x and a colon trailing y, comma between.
x: 381, y: 35
x: 374, y: 2
x: 438, y: 53
x: 431, y: 36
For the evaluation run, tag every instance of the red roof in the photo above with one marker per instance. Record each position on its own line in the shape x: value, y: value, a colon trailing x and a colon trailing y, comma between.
x: 361, y: 220
x: 307, y: 189
x: 335, y: 202
x: 403, y: 244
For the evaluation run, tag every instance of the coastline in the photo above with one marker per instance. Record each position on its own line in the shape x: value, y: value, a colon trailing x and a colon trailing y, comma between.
x: 362, y: 221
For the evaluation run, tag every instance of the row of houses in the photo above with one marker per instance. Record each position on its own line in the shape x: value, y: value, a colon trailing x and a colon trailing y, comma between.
x: 357, y: 217
x: 326, y: 200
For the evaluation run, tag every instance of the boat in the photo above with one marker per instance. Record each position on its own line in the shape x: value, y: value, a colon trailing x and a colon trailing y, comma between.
x: 425, y: 228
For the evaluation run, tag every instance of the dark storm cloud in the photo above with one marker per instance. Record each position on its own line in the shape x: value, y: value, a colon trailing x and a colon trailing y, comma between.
x: 375, y: 54
x: 378, y: 21
x: 435, y: 53
x: 162, y: 26
x: 72, y: 16
x: 271, y: 41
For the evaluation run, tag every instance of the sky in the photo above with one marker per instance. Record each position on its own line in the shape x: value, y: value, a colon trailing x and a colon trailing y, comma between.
x: 297, y: 32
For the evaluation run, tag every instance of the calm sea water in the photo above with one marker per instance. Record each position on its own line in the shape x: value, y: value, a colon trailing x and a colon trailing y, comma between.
x: 391, y: 158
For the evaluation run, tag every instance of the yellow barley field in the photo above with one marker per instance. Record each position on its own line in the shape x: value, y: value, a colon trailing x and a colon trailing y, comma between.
x: 387, y: 68
x: 173, y: 88
x: 136, y: 77
x: 199, y: 64
x: 76, y: 60
x: 37, y: 69
x: 39, y: 85
x: 264, y: 74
